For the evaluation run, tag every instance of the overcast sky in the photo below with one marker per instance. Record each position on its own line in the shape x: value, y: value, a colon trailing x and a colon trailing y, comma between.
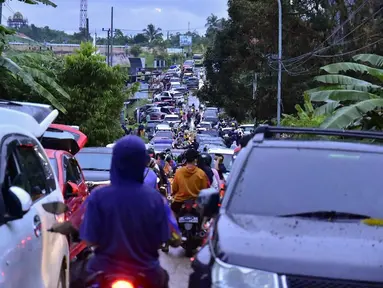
x: 131, y: 16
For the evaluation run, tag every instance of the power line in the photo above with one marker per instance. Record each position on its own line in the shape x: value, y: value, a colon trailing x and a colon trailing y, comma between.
x: 314, y: 53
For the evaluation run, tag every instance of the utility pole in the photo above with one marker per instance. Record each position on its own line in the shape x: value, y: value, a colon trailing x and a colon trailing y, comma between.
x: 111, y: 37
x: 279, y: 93
x: 189, y: 48
x: 87, y: 30
x: 1, y: 12
x: 107, y: 45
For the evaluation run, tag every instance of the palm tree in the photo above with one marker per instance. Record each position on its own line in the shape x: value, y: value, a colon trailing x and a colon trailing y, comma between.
x: 152, y: 33
x: 211, y: 21
x: 347, y: 98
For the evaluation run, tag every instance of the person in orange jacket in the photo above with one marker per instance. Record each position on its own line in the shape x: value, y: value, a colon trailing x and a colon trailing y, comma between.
x: 188, y: 181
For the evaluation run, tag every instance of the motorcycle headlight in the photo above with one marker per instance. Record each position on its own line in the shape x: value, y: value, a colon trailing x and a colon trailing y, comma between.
x: 229, y: 276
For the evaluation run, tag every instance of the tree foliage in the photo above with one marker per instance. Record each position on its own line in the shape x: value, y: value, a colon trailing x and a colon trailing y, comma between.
x: 361, y: 93
x: 246, y: 45
x: 98, y: 92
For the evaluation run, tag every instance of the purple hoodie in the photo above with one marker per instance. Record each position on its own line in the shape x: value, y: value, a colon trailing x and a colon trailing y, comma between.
x: 126, y: 220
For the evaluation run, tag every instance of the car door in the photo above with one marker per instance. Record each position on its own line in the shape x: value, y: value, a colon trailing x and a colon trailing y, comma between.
x: 41, y: 184
x: 20, y: 239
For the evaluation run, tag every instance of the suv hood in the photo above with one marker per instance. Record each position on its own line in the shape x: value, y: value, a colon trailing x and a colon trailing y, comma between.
x: 342, y: 250
x: 64, y: 137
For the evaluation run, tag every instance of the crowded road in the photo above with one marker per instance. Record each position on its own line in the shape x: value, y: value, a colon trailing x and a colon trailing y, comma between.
x: 175, y: 262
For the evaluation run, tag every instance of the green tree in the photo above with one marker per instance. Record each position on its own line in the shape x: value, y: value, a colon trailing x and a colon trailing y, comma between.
x: 247, y: 42
x: 152, y: 33
x: 99, y: 92
x: 361, y: 93
x: 135, y: 50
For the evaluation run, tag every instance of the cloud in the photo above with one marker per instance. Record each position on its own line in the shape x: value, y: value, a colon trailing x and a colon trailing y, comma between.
x: 131, y: 16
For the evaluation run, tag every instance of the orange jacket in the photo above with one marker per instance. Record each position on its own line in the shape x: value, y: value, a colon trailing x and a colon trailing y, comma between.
x: 188, y: 182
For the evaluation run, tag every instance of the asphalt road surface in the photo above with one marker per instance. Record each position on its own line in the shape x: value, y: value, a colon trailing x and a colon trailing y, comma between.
x: 178, y: 267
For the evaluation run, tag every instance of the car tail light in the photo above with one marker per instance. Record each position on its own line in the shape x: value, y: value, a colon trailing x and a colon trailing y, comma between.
x: 122, y: 284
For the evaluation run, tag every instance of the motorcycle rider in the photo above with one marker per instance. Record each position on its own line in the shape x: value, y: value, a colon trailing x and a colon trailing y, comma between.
x: 204, y: 162
x: 126, y: 221
x: 150, y: 176
x: 188, y: 181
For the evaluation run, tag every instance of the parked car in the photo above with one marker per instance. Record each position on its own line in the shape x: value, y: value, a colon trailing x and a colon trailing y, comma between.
x: 65, y: 142
x: 285, y: 232
x: 30, y: 256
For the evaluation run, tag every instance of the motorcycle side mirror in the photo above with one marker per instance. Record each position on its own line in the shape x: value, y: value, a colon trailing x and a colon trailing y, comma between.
x: 208, y: 200
x: 55, y: 208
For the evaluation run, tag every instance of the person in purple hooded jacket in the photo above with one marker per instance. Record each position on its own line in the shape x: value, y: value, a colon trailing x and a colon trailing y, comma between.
x: 127, y: 221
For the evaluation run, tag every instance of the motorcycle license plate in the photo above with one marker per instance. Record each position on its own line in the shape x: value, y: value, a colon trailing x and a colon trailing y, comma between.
x: 188, y: 219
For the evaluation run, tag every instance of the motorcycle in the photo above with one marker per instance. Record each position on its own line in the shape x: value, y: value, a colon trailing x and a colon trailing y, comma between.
x: 189, y: 221
x: 98, y: 279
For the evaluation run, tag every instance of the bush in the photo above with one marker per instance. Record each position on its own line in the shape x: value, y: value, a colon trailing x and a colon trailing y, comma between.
x: 97, y: 95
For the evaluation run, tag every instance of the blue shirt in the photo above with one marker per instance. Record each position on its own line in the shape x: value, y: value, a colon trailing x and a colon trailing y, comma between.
x: 127, y: 220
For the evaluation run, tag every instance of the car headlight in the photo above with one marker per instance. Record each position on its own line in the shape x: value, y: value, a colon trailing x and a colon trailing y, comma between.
x: 230, y: 276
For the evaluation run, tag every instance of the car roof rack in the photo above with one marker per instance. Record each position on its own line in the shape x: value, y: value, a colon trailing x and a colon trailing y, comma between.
x: 266, y: 131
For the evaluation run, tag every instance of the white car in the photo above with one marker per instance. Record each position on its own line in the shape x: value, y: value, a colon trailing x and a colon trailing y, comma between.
x: 203, y: 126
x: 247, y: 128
x: 174, y: 85
x: 171, y: 119
x: 30, y: 256
x: 163, y: 127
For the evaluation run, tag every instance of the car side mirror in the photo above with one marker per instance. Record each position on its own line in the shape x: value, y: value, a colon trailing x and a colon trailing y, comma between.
x: 18, y: 203
x: 56, y: 208
x: 209, y: 201
x: 71, y: 190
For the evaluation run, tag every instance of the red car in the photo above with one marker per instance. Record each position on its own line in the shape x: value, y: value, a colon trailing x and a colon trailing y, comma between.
x: 61, y: 143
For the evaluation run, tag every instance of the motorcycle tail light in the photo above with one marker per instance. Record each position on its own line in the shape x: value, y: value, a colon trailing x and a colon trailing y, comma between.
x: 188, y: 206
x: 122, y: 284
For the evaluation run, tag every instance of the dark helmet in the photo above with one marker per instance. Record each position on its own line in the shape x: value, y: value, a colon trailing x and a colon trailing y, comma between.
x: 151, y: 152
x: 191, y: 155
x: 206, y: 158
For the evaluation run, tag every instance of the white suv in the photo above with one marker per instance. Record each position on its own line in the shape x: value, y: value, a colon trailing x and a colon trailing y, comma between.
x: 30, y: 256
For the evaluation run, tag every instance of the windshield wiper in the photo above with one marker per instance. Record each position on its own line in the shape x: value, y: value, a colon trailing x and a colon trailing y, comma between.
x: 94, y: 169
x: 328, y: 215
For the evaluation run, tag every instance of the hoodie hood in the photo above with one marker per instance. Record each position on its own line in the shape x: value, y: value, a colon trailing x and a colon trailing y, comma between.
x: 128, y: 160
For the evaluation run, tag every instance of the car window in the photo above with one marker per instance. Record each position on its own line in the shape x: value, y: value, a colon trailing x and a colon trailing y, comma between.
x: 94, y: 161
x: 49, y: 174
x: 71, y: 171
x: 33, y: 171
x: 282, y: 181
x: 12, y: 177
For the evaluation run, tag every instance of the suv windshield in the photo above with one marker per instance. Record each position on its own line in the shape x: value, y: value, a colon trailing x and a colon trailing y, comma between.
x: 283, y: 181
